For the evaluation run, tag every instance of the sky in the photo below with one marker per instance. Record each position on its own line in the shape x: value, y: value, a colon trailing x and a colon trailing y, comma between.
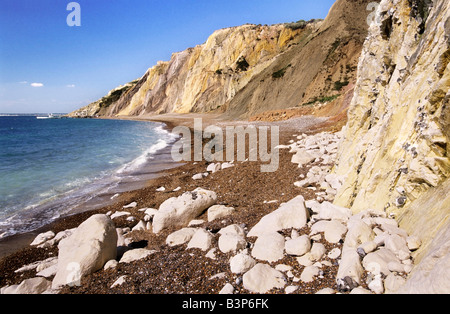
x: 47, y: 66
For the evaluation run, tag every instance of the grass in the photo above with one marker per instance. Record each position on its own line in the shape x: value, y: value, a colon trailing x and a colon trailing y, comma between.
x: 280, y: 73
x: 321, y: 100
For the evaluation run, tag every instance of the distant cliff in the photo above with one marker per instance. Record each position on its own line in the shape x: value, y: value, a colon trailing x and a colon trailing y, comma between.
x: 246, y: 70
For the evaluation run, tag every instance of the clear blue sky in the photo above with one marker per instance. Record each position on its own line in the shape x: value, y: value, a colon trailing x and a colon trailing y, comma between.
x: 47, y: 66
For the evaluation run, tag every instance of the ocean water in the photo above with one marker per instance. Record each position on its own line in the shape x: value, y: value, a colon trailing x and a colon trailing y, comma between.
x: 52, y: 167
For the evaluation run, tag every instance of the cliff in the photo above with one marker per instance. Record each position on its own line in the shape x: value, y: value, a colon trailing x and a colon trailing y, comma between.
x: 203, y: 78
x: 395, y: 152
x: 247, y: 70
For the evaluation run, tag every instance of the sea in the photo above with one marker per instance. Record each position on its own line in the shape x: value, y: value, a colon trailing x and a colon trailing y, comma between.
x: 53, y: 167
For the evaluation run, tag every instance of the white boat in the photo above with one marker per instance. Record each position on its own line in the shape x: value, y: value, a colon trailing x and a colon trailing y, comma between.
x: 50, y: 116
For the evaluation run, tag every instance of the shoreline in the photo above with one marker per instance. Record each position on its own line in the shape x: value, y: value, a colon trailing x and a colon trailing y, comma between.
x: 16, y: 249
x: 13, y: 243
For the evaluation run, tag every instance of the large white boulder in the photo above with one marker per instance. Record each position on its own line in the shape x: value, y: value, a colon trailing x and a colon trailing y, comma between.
x: 181, y: 236
x: 231, y: 243
x: 135, y: 255
x: 269, y: 247
x: 298, y: 246
x: 262, y: 278
x: 241, y: 263
x: 89, y: 247
x: 219, y: 211
x: 202, y: 239
x: 292, y: 214
x: 179, y: 211
x: 302, y: 157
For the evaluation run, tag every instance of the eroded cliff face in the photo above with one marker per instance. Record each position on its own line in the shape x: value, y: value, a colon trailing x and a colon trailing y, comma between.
x: 395, y: 151
x: 203, y: 78
x: 397, y: 138
x: 247, y: 70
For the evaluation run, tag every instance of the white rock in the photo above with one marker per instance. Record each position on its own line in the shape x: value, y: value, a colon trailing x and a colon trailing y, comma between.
x: 326, y: 291
x: 227, y: 289
x: 181, y: 236
x: 298, y: 246
x: 195, y: 222
x: 334, y: 253
x: 39, y: 264
x: 90, y: 246
x: 302, y: 157
x: 305, y: 260
x: 43, y: 237
x: 360, y: 290
x: 120, y: 281
x: 37, y: 285
x: 226, y: 165
x: 241, y: 263
x: 160, y: 189
x: 141, y: 225
x: 413, y: 242
x: 202, y: 239
x: 213, y: 167
x: 48, y: 271
x: 110, y: 264
x: 59, y: 236
x: 329, y: 211
x: 283, y: 268
x: 119, y: 214
x: 292, y: 214
x: 398, y: 246
x: 233, y: 229
x: 131, y: 205
x: 219, y: 211
x: 334, y: 230
x: 366, y: 248
x: 269, y: 247
x: 231, y: 243
x: 151, y: 212
x: 290, y: 289
x: 318, y: 250
x: 309, y: 273
x: 349, y: 266
x: 197, y: 176
x: 393, y: 282
x: 376, y: 285
x: 334, y: 180
x: 377, y: 262
x: 262, y: 278
x: 358, y: 233
x: 178, y: 211
x: 135, y: 255
x: 211, y: 253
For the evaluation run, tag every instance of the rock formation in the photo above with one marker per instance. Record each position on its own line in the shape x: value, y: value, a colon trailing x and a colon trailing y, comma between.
x: 395, y: 152
x: 245, y: 70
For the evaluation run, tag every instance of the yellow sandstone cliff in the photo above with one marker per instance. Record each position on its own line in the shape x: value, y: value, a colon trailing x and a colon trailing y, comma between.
x: 395, y: 151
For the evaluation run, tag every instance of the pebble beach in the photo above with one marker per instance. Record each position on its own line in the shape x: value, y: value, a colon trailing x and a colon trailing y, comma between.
x: 274, y: 233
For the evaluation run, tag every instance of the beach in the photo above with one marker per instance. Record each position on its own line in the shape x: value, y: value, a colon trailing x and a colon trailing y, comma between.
x: 252, y: 192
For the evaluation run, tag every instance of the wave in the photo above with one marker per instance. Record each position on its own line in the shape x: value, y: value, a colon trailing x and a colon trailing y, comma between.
x: 136, y: 164
x: 142, y: 159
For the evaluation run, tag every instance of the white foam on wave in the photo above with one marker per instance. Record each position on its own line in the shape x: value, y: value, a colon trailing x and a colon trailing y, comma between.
x: 166, y: 140
x: 142, y: 159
